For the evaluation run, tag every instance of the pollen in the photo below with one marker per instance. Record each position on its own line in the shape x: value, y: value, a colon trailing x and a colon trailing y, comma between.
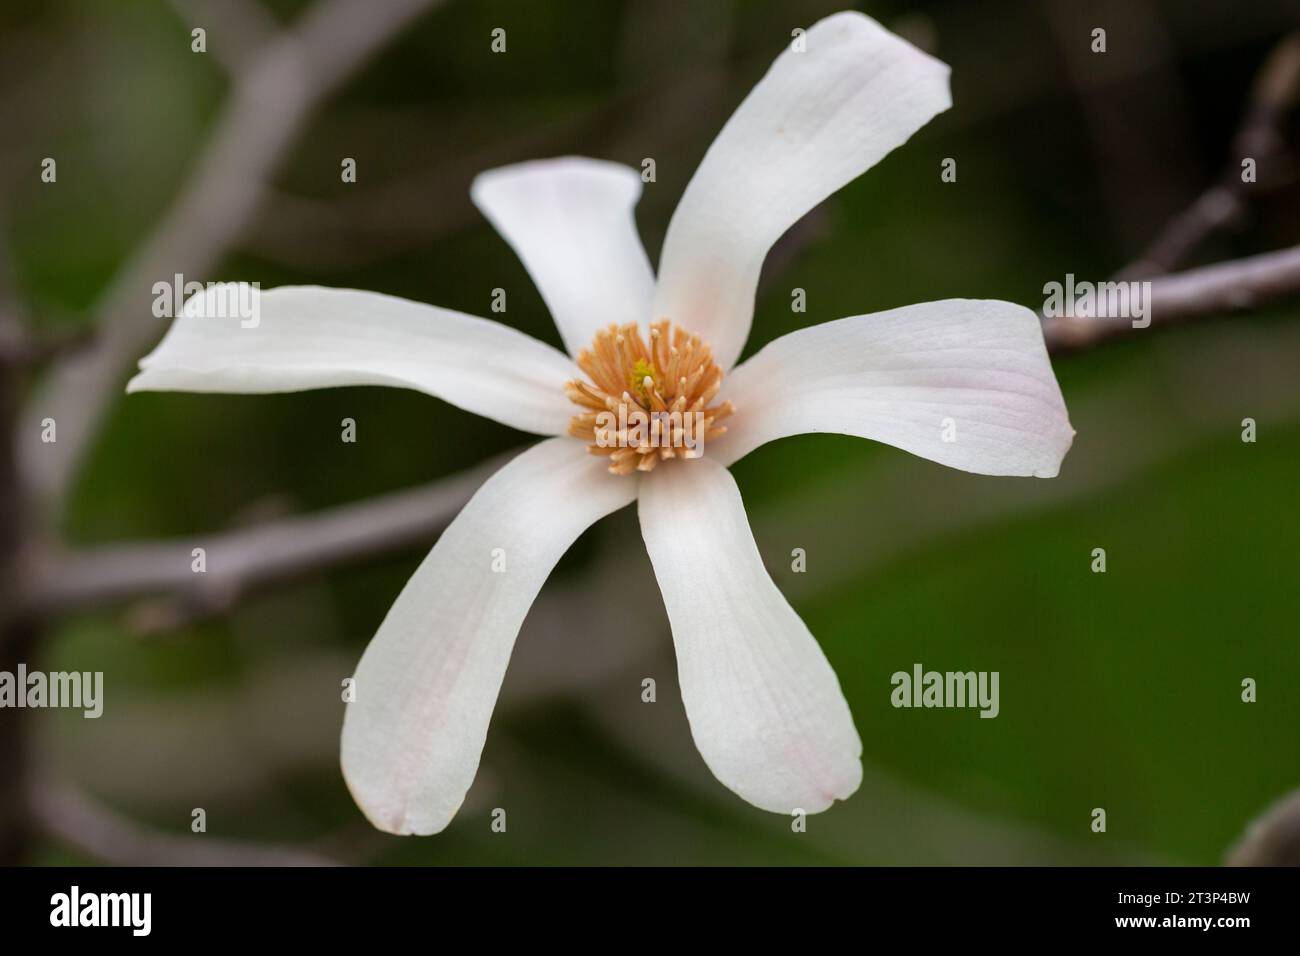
x: 644, y: 402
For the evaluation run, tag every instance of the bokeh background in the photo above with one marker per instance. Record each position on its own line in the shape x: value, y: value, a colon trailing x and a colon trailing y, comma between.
x: 1119, y: 690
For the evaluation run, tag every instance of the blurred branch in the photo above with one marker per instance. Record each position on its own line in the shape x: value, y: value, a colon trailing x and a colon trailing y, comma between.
x: 21, y: 348
x: 73, y: 817
x: 268, y: 106
x: 241, y: 560
x: 1276, y: 91
x: 17, y: 636
x: 1223, y: 287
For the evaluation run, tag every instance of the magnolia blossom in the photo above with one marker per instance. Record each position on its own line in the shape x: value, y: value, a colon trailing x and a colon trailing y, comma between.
x: 966, y: 383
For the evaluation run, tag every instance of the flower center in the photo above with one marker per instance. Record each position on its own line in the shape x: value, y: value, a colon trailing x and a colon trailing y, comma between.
x: 647, y: 403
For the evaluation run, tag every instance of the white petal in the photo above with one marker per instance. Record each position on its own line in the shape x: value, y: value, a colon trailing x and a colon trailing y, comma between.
x: 310, y: 337
x: 817, y: 120
x: 765, y: 708
x: 964, y: 382
x: 426, y: 685
x: 570, y: 220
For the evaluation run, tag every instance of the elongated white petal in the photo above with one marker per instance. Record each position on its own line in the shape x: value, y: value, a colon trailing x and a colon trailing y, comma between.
x: 765, y: 708
x: 426, y: 685
x: 817, y: 120
x: 964, y: 382
x: 570, y: 220
x: 302, y: 337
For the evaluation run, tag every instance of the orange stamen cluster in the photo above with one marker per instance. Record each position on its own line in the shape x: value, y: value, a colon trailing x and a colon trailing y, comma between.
x: 630, y: 380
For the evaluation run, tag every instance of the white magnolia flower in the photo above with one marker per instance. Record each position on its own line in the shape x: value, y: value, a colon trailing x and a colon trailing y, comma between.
x: 765, y: 708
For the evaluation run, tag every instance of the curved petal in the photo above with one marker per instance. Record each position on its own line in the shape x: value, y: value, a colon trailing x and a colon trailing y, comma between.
x: 301, y: 337
x: 428, y: 681
x: 765, y: 708
x: 570, y: 220
x: 817, y: 120
x: 964, y: 382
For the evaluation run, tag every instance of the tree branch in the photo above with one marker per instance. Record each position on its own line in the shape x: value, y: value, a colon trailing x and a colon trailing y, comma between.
x: 1224, y: 287
x: 1276, y: 91
x: 247, y: 558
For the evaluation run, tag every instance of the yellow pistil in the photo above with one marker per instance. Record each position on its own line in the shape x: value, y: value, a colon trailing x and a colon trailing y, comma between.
x: 642, y: 373
x: 647, y: 403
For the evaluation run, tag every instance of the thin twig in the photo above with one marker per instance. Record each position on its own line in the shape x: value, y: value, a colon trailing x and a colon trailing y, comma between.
x: 248, y: 558
x: 1224, y: 287
x: 1275, y: 92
